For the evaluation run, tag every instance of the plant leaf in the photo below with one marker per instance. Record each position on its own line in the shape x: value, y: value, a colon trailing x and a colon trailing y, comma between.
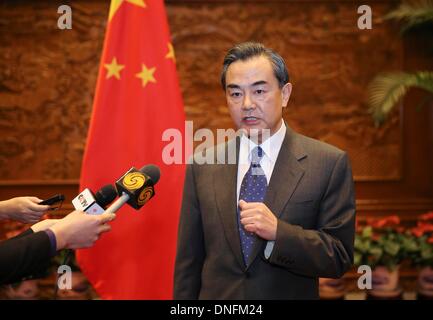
x: 386, y: 90
x: 413, y: 13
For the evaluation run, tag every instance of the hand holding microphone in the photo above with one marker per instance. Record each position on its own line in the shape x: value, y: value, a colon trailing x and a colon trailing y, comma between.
x: 77, y: 229
x: 135, y: 187
x: 80, y: 230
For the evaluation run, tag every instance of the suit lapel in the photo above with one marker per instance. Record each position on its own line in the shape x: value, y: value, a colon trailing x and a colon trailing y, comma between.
x: 286, y: 175
x: 225, y: 182
x: 285, y: 178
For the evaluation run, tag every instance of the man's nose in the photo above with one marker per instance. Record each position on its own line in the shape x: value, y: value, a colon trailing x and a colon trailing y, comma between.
x: 248, y: 103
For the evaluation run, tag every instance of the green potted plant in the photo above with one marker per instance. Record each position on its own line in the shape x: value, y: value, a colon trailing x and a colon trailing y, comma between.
x: 387, y: 89
x: 382, y: 244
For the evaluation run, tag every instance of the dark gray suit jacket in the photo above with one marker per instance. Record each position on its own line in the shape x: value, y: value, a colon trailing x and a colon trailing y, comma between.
x: 312, y: 194
x: 26, y: 255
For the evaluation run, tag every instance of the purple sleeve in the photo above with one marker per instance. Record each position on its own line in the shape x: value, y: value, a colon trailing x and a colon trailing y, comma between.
x: 53, y: 242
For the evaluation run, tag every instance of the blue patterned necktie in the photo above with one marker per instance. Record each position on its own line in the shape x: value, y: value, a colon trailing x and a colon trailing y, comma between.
x: 253, y: 189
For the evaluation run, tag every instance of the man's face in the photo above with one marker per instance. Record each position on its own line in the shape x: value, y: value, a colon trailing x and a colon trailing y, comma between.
x: 253, y: 95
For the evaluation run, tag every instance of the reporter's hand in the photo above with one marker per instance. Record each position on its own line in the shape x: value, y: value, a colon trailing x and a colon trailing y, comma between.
x: 44, y: 224
x: 23, y: 209
x: 79, y: 230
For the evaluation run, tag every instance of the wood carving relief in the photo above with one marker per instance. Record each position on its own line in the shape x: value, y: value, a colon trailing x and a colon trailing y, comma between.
x: 48, y: 76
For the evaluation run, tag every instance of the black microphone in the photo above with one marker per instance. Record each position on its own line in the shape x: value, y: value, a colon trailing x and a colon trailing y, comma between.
x: 105, y: 195
x: 95, y: 203
x: 135, y: 187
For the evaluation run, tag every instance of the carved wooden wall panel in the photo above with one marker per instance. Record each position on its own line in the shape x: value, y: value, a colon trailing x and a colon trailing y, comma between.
x: 47, y: 80
x: 47, y: 77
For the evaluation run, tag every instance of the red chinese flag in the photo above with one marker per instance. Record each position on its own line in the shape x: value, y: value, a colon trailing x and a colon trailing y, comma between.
x: 137, y: 98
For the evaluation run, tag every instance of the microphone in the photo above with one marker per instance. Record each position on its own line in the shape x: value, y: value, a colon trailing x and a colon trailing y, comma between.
x: 95, y: 203
x: 135, y: 187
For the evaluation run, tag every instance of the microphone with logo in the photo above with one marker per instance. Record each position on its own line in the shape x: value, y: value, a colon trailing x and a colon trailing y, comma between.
x: 95, y: 203
x: 135, y: 187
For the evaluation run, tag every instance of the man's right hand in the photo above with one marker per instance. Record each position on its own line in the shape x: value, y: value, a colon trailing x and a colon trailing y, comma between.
x: 80, y: 230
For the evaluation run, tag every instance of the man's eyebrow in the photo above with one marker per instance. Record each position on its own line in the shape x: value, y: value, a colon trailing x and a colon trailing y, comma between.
x: 233, y: 86
x: 257, y: 83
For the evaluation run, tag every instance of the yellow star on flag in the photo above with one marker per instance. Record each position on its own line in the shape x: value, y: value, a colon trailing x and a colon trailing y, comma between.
x: 146, y: 75
x: 115, y: 5
x: 113, y: 69
x: 170, y: 54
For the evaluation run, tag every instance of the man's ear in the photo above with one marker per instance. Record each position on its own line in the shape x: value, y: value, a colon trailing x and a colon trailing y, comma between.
x: 285, y: 92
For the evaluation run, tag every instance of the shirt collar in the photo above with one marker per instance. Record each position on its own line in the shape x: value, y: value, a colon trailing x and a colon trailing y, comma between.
x: 271, y: 146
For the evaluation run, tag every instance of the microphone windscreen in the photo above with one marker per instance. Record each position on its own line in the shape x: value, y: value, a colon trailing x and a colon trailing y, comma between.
x: 106, y: 195
x: 152, y: 171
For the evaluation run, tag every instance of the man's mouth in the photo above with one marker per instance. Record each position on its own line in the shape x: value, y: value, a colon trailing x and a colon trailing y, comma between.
x: 250, y: 120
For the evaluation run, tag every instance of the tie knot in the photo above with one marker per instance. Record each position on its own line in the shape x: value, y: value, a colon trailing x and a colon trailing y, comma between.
x: 256, y: 155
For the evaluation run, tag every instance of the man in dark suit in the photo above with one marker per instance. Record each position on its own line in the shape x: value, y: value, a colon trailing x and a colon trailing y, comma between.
x: 283, y: 215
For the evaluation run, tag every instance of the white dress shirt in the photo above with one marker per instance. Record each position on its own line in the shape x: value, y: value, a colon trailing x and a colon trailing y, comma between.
x: 271, y: 148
